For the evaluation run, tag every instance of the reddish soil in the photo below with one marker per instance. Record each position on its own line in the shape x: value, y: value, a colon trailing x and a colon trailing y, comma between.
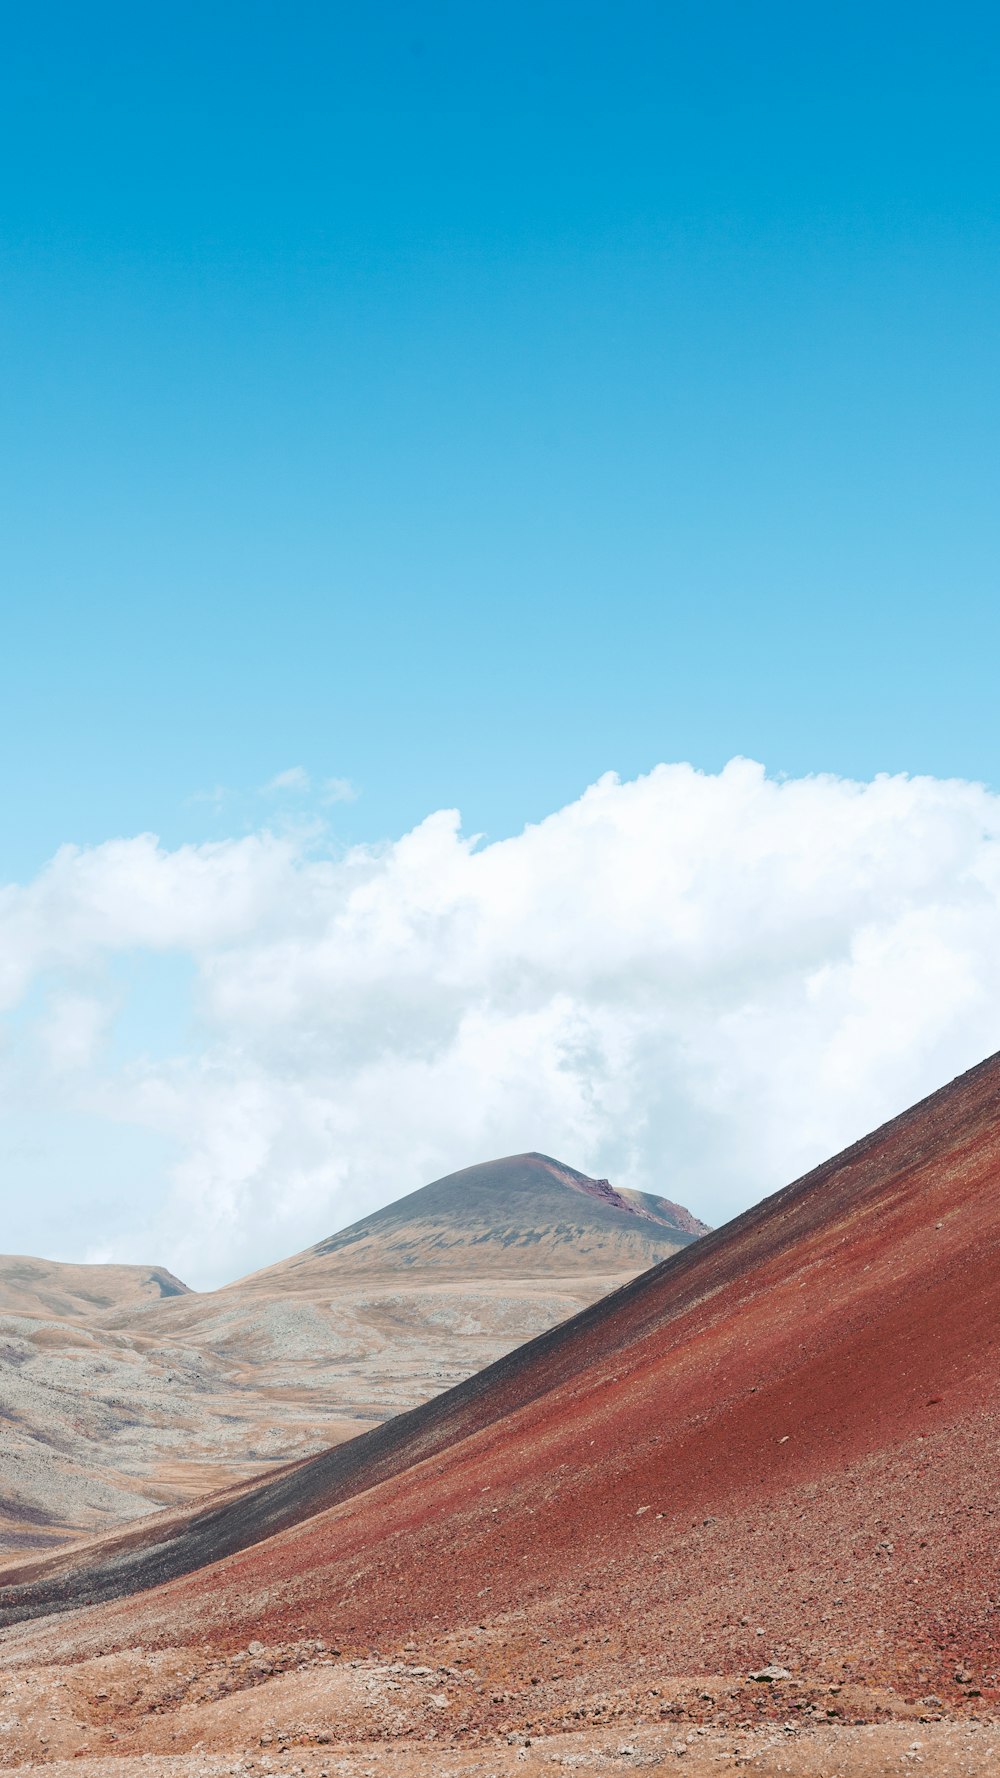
x: 781, y: 1445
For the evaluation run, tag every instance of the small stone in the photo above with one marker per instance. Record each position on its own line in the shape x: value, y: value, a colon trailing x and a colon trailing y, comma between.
x: 767, y: 1675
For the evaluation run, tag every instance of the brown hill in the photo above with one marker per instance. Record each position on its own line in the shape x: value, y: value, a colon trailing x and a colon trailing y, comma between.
x: 781, y: 1443
x: 123, y: 1392
x: 52, y: 1287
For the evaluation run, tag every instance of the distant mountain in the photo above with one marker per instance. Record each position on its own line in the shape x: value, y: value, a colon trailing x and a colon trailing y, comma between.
x: 122, y: 1391
x: 523, y: 1216
x: 51, y: 1287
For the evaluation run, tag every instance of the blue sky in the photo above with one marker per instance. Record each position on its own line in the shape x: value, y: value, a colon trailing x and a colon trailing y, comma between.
x: 465, y: 401
x: 409, y: 408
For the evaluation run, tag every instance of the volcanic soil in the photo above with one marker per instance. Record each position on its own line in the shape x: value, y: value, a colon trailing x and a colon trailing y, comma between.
x: 775, y: 1454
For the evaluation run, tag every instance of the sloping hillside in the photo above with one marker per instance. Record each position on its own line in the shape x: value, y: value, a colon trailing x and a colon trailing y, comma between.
x: 121, y: 1392
x: 780, y: 1444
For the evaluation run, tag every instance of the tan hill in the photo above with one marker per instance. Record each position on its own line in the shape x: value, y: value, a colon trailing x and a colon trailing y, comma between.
x: 152, y: 1398
x: 52, y: 1287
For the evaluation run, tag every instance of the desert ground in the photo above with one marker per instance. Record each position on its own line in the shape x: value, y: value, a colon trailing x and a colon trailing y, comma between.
x: 298, y: 1710
x: 739, y: 1513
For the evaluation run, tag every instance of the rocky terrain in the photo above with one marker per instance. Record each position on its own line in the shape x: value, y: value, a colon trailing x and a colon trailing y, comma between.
x: 300, y: 1709
x: 741, y: 1511
x: 121, y: 1391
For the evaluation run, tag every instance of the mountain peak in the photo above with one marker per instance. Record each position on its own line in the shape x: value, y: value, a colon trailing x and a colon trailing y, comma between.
x: 522, y: 1213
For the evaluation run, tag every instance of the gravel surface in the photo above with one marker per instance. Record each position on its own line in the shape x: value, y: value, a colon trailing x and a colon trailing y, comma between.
x: 301, y: 1711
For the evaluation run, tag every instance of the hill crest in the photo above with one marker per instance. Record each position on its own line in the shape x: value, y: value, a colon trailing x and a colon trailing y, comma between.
x: 498, y: 1218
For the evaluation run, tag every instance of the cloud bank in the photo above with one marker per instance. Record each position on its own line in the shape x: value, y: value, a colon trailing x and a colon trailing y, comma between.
x: 694, y: 984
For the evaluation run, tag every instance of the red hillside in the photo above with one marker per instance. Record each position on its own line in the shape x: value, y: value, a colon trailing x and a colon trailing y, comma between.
x: 783, y: 1442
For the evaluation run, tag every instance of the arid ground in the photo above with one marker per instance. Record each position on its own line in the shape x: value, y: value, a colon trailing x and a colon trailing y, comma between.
x: 741, y: 1511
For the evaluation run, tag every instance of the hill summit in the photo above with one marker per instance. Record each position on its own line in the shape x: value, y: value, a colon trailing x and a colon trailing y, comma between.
x: 525, y: 1214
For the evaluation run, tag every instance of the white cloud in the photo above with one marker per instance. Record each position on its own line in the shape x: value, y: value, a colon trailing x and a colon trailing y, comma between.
x: 695, y: 984
x: 295, y: 779
x: 297, y: 782
x: 73, y: 1030
x: 339, y: 790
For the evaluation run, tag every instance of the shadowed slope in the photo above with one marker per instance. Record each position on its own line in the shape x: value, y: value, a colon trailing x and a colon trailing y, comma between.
x: 791, y: 1425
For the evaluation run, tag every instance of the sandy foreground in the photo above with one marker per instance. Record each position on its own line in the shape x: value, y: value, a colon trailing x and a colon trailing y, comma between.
x: 848, y: 1752
x: 305, y: 1712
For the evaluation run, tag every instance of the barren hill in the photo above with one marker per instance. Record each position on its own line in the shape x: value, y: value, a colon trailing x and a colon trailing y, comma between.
x: 779, y: 1445
x: 525, y: 1215
x: 122, y: 1392
x: 53, y: 1287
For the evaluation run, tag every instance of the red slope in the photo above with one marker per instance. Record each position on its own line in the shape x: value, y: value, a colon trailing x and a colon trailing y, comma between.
x: 808, y: 1397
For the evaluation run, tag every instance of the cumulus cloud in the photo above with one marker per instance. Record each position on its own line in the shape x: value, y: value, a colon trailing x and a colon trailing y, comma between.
x: 695, y: 984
